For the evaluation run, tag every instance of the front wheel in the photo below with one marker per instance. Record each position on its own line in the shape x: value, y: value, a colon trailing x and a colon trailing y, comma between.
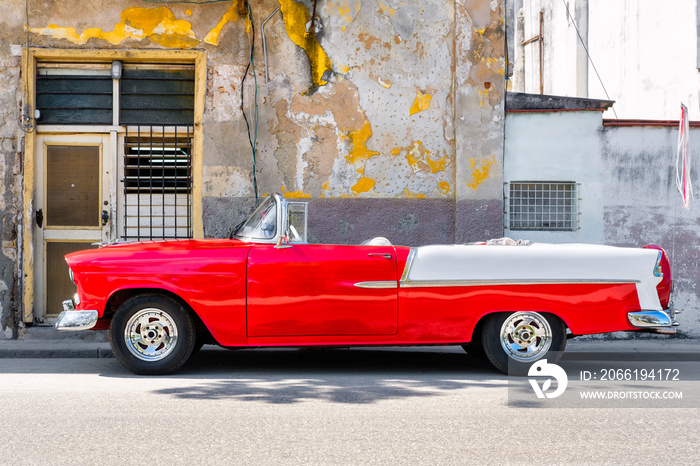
x: 513, y: 342
x: 152, y: 334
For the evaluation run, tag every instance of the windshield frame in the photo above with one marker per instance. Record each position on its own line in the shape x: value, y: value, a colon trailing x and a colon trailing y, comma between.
x: 253, y: 222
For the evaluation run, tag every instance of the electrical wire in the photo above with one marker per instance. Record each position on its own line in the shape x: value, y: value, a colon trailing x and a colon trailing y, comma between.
x: 251, y: 64
x: 587, y: 54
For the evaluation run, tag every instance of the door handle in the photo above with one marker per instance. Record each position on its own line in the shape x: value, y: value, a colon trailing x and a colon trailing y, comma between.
x: 385, y: 256
x: 105, y: 217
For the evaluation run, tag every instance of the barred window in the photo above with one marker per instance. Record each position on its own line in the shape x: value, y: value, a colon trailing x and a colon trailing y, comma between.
x: 543, y: 206
x: 158, y: 182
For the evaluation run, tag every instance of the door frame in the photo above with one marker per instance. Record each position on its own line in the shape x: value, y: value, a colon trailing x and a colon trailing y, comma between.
x: 30, y: 56
x: 50, y: 234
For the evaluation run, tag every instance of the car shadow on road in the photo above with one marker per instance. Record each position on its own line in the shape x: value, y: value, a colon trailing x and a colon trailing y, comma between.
x: 350, y: 376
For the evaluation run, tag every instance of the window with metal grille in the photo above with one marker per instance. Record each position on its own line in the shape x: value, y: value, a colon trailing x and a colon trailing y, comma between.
x: 542, y: 206
x: 158, y: 182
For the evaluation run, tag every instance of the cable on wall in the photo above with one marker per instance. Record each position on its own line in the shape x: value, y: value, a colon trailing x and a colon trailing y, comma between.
x: 253, y: 140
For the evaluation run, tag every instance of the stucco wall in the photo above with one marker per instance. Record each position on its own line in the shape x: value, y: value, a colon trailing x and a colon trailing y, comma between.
x: 559, y: 146
x: 10, y: 189
x: 643, y: 205
x: 627, y: 188
x: 387, y: 117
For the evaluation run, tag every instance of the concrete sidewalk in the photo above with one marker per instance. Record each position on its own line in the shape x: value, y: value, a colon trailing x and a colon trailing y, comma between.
x: 45, y: 342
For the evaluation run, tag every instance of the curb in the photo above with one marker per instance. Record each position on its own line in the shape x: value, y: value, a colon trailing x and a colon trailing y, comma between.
x: 31, y: 350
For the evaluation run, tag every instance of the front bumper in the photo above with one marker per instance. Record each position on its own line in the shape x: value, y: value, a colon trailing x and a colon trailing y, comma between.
x: 70, y: 319
x: 655, y: 321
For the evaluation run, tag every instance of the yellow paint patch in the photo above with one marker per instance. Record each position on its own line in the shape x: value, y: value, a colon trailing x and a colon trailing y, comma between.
x: 358, y: 141
x: 385, y: 9
x: 445, y: 186
x: 298, y: 194
x: 231, y: 16
x: 159, y: 25
x: 422, y: 102
x: 188, y: 12
x: 363, y: 185
x: 343, y: 9
x: 296, y: 16
x: 411, y: 195
x: 481, y: 170
x: 419, y: 159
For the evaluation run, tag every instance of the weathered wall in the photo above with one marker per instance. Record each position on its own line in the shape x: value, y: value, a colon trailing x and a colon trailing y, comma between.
x: 384, y: 124
x: 643, y: 205
x: 10, y: 189
x: 627, y: 188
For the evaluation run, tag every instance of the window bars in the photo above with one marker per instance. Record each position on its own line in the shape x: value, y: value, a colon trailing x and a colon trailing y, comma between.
x: 542, y: 206
x: 158, y: 182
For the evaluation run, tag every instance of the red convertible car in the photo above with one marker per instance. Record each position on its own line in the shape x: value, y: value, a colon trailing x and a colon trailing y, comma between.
x: 513, y: 302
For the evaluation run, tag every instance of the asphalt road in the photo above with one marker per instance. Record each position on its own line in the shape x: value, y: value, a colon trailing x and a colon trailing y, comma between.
x: 360, y: 406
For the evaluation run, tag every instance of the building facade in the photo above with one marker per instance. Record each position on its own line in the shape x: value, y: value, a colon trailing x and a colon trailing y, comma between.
x: 158, y: 119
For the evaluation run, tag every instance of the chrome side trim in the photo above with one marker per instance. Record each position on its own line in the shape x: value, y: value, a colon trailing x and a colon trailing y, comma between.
x: 377, y: 285
x: 76, y: 320
x: 409, y: 263
x: 564, y: 281
x: 646, y: 319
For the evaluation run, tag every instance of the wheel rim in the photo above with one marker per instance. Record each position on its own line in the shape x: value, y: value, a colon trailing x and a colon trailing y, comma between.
x: 526, y: 336
x: 150, y: 334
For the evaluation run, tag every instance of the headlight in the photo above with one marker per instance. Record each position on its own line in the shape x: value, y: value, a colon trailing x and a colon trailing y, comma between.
x: 70, y: 274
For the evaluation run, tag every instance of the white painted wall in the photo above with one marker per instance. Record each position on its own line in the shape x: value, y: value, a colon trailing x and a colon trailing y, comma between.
x: 644, y: 50
x: 558, y: 146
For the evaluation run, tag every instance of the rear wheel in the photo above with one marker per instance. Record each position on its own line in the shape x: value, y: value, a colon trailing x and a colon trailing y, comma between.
x: 152, y: 334
x: 513, y: 342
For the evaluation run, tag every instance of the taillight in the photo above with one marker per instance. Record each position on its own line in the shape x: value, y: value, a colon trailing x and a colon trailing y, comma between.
x: 662, y: 269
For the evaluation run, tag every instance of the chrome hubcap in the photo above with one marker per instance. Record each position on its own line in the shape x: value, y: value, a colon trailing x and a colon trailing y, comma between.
x: 526, y: 336
x: 150, y: 334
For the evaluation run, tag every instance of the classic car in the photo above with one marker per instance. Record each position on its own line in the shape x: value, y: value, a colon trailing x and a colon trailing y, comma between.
x: 510, y: 301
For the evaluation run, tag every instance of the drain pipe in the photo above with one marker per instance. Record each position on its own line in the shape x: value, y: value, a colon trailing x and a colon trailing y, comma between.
x: 267, y: 76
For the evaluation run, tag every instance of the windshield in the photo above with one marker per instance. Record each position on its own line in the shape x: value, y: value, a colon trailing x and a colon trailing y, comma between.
x: 262, y: 224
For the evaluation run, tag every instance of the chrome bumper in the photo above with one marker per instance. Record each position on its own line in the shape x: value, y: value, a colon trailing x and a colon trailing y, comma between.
x: 70, y: 319
x: 655, y: 321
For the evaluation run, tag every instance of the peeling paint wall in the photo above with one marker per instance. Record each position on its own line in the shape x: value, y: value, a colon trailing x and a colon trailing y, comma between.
x: 387, y: 115
x: 627, y: 191
x: 643, y: 205
x: 10, y: 189
x: 373, y: 117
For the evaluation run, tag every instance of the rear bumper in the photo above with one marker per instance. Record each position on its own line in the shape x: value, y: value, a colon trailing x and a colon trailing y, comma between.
x: 655, y: 321
x: 70, y: 319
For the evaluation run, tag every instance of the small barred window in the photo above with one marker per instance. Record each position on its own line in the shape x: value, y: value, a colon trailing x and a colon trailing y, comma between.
x: 543, y: 206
